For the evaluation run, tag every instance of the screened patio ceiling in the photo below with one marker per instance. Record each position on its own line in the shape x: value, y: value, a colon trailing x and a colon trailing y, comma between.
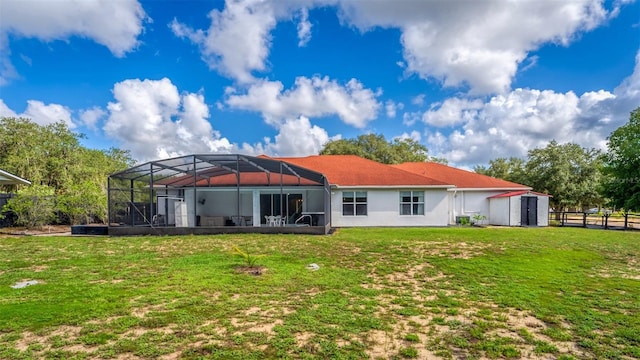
x: 220, y: 170
x: 160, y: 193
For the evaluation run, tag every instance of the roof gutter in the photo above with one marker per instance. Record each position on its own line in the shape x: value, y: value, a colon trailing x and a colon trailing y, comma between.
x: 392, y: 186
x: 492, y: 189
x: 13, y: 179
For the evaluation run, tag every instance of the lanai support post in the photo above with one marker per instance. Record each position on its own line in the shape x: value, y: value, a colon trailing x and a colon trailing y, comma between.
x: 282, y: 217
x: 195, y: 196
x: 131, y: 204
x: 109, y: 201
x: 238, y: 190
x: 151, y: 207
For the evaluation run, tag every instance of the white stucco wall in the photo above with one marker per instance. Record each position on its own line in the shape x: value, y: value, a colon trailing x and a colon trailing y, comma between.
x: 221, y: 202
x: 383, y: 209
x: 470, y: 203
x: 543, y: 211
x: 499, y: 211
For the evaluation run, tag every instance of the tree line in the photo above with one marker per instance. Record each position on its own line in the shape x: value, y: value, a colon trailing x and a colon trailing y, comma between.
x: 69, y: 181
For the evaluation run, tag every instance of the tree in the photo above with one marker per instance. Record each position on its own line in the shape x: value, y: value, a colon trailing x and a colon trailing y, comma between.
x: 568, y: 172
x: 377, y: 148
x: 53, y: 156
x: 511, y: 169
x: 622, y: 165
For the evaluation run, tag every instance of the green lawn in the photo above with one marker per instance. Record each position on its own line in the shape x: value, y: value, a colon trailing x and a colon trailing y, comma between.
x: 379, y: 293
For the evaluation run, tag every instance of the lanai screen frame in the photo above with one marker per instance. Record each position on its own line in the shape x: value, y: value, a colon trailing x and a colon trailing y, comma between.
x: 165, y: 174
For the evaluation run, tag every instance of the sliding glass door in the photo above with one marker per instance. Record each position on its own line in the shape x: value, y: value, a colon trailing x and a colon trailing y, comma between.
x: 289, y: 205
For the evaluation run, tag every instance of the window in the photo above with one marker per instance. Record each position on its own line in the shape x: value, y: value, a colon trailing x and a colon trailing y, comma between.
x: 411, y: 202
x: 354, y: 203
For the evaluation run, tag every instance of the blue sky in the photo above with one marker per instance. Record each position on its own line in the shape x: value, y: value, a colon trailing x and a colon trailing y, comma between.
x: 471, y: 80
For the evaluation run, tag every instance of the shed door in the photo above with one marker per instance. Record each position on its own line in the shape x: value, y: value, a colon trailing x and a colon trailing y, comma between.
x: 529, y: 211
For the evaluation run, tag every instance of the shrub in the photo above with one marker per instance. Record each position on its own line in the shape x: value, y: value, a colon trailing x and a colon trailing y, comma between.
x: 33, y: 206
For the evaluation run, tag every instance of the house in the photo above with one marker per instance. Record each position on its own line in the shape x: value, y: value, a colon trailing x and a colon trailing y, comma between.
x: 368, y: 193
x: 472, y: 194
x: 238, y: 193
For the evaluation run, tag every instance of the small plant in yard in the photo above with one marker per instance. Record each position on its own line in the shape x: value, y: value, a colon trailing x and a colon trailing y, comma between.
x: 250, y: 261
x: 409, y: 352
x: 412, y: 338
x: 479, y: 219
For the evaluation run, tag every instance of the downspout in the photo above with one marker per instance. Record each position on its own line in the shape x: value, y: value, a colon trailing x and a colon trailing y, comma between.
x: 452, y: 219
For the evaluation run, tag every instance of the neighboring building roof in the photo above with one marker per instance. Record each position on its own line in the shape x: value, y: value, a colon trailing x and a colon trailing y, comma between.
x: 518, y: 193
x: 10, y: 179
x: 460, y: 178
x: 352, y: 170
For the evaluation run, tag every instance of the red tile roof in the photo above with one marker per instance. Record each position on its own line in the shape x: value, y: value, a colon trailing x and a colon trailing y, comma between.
x: 460, y: 178
x: 352, y: 170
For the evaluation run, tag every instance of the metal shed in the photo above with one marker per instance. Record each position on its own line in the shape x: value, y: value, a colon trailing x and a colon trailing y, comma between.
x: 519, y: 208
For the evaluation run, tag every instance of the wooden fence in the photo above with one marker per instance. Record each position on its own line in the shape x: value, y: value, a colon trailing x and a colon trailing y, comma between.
x: 627, y: 221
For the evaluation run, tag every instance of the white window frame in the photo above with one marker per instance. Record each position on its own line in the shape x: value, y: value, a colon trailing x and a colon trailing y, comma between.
x: 356, y: 203
x: 414, y: 202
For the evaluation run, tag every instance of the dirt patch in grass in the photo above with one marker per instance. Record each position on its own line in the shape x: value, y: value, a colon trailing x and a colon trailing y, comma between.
x: 258, y: 320
x: 629, y: 268
x: 39, y: 268
x: 255, y: 270
x: 453, y: 250
x: 114, y: 281
x: 44, y: 230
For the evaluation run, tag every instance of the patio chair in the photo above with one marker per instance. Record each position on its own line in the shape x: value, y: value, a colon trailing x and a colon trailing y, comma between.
x: 270, y: 220
x: 238, y: 220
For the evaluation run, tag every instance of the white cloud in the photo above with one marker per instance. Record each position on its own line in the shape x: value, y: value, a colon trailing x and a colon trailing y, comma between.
x: 91, y: 117
x: 297, y: 137
x: 5, y: 111
x: 41, y: 113
x: 153, y: 120
x: 410, y: 118
x: 511, y: 124
x: 392, y: 107
x: 238, y: 40
x: 304, y: 28
x: 309, y: 97
x: 414, y: 135
x: 418, y: 100
x: 479, y: 44
x: 451, y: 112
x: 114, y: 24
